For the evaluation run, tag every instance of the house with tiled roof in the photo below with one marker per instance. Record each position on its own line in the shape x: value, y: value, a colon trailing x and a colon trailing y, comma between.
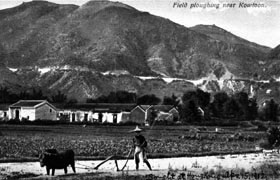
x: 137, y: 115
x: 33, y: 110
x: 145, y: 107
x: 164, y: 112
x: 162, y: 108
x: 141, y: 114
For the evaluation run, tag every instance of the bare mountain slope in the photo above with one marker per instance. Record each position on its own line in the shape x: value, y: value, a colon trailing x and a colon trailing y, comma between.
x: 24, y: 30
x: 222, y: 35
x: 77, y: 45
x: 104, y: 36
x: 275, y: 53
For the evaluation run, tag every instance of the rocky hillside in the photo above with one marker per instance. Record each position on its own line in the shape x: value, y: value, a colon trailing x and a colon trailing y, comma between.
x: 77, y: 49
x: 26, y: 29
x: 220, y: 34
x: 275, y: 53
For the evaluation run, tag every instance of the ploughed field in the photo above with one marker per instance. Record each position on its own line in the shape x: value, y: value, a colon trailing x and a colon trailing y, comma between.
x: 25, y: 142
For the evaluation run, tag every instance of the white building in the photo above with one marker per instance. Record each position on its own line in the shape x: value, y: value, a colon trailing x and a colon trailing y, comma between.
x: 95, y: 112
x: 32, y: 110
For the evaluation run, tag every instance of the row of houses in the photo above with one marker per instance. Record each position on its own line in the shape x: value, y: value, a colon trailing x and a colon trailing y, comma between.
x: 90, y: 112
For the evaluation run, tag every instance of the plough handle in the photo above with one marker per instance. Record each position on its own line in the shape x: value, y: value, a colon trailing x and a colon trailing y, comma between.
x: 127, y: 159
x: 107, y: 159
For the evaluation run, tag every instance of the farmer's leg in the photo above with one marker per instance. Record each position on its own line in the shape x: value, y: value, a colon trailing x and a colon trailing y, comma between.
x: 145, y: 160
x: 136, y: 158
x: 148, y: 164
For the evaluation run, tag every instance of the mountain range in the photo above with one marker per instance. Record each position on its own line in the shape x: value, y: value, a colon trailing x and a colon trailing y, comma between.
x: 102, y: 46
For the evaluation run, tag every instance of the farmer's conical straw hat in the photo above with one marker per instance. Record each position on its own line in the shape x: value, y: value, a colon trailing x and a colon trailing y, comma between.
x: 137, y: 129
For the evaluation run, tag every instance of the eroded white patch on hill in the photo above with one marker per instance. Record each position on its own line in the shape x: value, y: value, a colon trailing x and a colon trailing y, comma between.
x: 277, y: 79
x: 13, y: 69
x: 61, y: 68
x: 116, y: 72
x: 44, y: 70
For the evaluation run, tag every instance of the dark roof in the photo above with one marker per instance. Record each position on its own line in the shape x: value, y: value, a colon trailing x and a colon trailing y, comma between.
x: 4, y: 107
x: 27, y: 103
x: 145, y: 107
x: 98, y: 107
x: 163, y: 108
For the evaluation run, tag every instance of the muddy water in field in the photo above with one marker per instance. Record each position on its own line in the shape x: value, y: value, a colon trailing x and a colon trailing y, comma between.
x: 245, y: 161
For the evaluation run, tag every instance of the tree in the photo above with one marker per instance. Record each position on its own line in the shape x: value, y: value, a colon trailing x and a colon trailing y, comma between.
x: 238, y: 106
x: 203, y: 98
x: 252, y: 109
x: 24, y: 95
x: 72, y: 101
x: 59, y: 97
x: 270, y: 111
x: 191, y: 101
x: 242, y: 100
x: 4, y: 95
x: 273, y: 137
x: 100, y: 99
x: 189, y: 95
x: 37, y: 94
x: 148, y: 99
x: 217, y: 105
x: 189, y: 112
x: 115, y: 97
x: 152, y: 116
x: 173, y: 100
x: 125, y: 97
x: 231, y: 108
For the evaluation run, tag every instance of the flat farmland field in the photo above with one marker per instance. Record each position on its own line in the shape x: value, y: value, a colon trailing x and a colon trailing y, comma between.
x: 25, y: 142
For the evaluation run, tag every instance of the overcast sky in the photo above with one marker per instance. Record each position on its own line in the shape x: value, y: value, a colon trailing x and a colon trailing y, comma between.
x: 256, y: 24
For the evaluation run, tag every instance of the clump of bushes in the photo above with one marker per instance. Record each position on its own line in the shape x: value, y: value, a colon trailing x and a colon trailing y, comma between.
x: 128, y: 123
x: 13, y: 121
x: 273, y: 138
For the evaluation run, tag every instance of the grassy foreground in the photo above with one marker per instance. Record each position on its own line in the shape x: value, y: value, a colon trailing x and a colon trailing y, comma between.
x: 263, y: 172
x: 25, y: 142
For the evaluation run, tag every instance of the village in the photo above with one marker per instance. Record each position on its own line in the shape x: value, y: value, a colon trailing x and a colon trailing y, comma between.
x: 31, y: 110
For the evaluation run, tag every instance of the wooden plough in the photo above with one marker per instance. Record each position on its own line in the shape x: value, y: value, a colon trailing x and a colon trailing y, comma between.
x: 116, y: 162
x: 113, y: 157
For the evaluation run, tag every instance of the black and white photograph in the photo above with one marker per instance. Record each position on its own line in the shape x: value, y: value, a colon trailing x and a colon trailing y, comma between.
x: 140, y: 89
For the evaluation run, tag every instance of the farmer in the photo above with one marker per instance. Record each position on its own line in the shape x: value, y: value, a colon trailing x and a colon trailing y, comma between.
x: 140, y: 145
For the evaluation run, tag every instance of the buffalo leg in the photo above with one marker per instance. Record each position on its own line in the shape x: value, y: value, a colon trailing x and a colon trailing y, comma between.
x: 48, y: 170
x: 73, y: 167
x: 53, y: 170
x: 65, y: 170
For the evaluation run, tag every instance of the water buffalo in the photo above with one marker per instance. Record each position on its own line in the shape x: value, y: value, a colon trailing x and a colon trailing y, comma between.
x: 55, y: 160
